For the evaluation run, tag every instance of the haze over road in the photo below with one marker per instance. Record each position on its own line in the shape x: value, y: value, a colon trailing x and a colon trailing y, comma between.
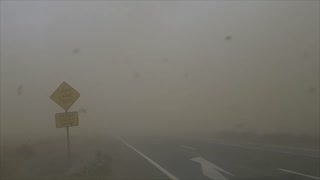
x: 166, y: 67
x: 181, y: 89
x: 221, y: 160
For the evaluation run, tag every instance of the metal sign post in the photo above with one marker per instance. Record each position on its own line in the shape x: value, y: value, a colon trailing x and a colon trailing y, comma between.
x: 65, y: 96
x: 68, y: 140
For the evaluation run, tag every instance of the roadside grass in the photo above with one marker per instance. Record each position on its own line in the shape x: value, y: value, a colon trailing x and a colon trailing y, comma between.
x: 48, y: 161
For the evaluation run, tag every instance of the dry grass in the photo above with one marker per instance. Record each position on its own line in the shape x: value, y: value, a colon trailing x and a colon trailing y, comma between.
x: 48, y: 160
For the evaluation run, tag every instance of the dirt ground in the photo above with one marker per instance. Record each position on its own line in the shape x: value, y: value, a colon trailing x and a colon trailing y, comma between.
x: 47, y: 159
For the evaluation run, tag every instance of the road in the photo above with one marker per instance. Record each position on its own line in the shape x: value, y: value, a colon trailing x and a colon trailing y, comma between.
x: 174, y: 158
x: 157, y: 158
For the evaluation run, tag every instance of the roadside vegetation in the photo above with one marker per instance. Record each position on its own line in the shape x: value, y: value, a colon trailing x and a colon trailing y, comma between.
x: 47, y: 160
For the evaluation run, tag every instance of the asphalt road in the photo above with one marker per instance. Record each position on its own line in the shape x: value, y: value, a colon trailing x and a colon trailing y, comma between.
x: 158, y: 158
x: 174, y: 158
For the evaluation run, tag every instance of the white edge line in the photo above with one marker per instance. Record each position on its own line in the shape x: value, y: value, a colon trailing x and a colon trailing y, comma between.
x: 279, y: 146
x: 301, y: 174
x: 171, y: 176
x: 187, y: 147
x: 240, y: 146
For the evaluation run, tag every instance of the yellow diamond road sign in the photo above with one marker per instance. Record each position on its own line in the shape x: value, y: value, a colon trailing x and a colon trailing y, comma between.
x: 65, y: 96
x: 67, y: 119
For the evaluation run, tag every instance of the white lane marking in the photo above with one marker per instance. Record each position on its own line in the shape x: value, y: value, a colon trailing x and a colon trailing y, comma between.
x: 289, y: 147
x: 284, y: 152
x: 171, y: 176
x: 154, y: 143
x: 277, y: 146
x: 187, y: 147
x: 211, y: 170
x: 301, y: 174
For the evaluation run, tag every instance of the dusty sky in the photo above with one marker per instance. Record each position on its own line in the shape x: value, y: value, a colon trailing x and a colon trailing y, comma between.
x: 162, y: 66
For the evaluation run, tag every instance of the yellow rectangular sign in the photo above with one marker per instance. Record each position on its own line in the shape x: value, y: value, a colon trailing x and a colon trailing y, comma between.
x: 67, y: 119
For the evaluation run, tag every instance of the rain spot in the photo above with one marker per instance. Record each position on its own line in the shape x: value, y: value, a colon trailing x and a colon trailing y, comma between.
x: 312, y: 90
x: 136, y: 75
x: 126, y: 61
x: 83, y: 110
x: 19, y: 92
x: 239, y: 125
x: 228, y: 38
x: 165, y: 60
x: 76, y: 50
x: 186, y: 75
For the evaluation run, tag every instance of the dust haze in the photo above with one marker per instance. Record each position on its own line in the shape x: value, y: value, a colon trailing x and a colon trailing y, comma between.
x: 161, y: 67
